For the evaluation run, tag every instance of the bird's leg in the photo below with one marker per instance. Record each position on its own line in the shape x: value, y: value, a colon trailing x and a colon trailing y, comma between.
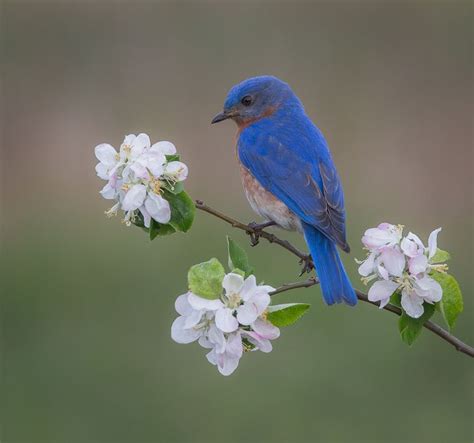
x: 257, y: 229
x: 307, y: 264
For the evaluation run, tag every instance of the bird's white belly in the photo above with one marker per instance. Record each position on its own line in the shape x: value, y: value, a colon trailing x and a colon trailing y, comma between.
x: 267, y: 205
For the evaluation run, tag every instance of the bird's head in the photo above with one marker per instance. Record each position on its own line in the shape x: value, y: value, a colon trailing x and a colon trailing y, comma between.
x: 256, y: 98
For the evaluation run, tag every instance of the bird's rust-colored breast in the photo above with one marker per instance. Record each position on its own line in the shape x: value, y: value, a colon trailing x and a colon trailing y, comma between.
x: 266, y: 204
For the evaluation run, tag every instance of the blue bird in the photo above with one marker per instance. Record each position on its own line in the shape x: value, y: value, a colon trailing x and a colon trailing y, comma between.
x: 289, y: 176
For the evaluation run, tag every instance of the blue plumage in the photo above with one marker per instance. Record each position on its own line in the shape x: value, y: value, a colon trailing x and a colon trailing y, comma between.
x: 288, y: 156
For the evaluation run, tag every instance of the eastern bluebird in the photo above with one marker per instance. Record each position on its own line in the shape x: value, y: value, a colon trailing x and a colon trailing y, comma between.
x: 289, y: 176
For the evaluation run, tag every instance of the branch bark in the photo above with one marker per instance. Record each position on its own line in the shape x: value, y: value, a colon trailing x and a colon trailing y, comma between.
x: 299, y: 284
x: 272, y: 238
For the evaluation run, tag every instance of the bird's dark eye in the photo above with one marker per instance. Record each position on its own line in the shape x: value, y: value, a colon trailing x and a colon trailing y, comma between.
x: 247, y: 100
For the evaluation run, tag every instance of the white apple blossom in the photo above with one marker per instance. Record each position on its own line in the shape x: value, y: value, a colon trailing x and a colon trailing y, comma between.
x: 137, y: 175
x: 242, y: 302
x: 228, y: 326
x: 401, y: 264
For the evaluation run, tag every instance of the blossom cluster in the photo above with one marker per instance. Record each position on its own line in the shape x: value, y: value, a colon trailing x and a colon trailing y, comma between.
x: 401, y: 263
x: 137, y: 176
x: 228, y: 326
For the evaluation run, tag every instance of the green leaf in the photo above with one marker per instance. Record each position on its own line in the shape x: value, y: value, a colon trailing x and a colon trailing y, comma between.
x: 182, y: 210
x: 410, y: 328
x: 205, y: 279
x: 173, y: 158
x: 395, y: 299
x: 158, y: 229
x: 287, y: 314
x: 440, y: 256
x: 451, y: 304
x: 238, y: 257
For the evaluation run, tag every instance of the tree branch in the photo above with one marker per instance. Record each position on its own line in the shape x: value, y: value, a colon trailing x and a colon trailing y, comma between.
x: 251, y: 230
x: 299, y: 284
x: 272, y: 238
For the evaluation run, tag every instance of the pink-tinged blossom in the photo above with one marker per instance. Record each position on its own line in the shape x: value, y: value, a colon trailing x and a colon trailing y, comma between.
x: 242, y: 302
x: 400, y: 264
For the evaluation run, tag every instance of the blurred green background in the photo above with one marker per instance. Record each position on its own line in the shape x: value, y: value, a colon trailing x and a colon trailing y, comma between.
x: 87, y: 303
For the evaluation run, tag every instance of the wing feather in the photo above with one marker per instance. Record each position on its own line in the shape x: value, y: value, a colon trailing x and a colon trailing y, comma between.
x: 306, y: 181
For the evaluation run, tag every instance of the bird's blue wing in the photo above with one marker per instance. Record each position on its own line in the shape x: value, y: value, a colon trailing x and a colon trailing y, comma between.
x: 293, y: 163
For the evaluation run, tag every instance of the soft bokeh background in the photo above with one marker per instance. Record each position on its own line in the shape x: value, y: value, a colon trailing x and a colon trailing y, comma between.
x: 87, y: 303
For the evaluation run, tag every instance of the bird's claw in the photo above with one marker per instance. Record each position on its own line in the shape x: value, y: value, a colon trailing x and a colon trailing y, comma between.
x: 257, y: 229
x: 307, y: 264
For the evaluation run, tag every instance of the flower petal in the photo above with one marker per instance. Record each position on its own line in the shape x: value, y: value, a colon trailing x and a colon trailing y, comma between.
x: 108, y: 192
x: 382, y: 272
x: 384, y: 303
x: 227, y: 364
x: 177, y: 170
x: 102, y: 171
x: 217, y: 339
x: 134, y: 198
x: 139, y: 168
x: 418, y: 264
x: 412, y: 304
x: 164, y: 147
x: 182, y: 335
x: 249, y: 286
x: 154, y: 162
x: 393, y: 260
x: 260, y: 343
x: 367, y: 266
x: 106, y: 154
x: 146, y: 216
x: 205, y: 342
x: 234, y: 345
x: 261, y: 300
x: 433, y: 242
x: 212, y: 357
x: 247, y: 313
x: 193, y: 319
x: 158, y: 208
x: 265, y: 329
x: 412, y: 245
x: 429, y: 289
x: 384, y: 235
x: 200, y: 303
x: 141, y: 142
x: 232, y: 283
x: 382, y: 290
x: 225, y: 321
x: 182, y: 305
x: 128, y: 140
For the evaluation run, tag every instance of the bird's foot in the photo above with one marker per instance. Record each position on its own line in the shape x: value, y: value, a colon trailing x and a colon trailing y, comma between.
x: 257, y: 229
x: 307, y: 264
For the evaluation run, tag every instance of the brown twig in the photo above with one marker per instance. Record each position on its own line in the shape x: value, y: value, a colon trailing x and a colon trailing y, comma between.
x: 299, y: 284
x: 272, y: 238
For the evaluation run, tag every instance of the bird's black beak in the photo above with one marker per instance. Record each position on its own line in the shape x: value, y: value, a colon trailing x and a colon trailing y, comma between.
x: 221, y: 117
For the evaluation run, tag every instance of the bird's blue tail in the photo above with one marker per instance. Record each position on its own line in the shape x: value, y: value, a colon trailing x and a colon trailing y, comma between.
x: 333, y: 279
